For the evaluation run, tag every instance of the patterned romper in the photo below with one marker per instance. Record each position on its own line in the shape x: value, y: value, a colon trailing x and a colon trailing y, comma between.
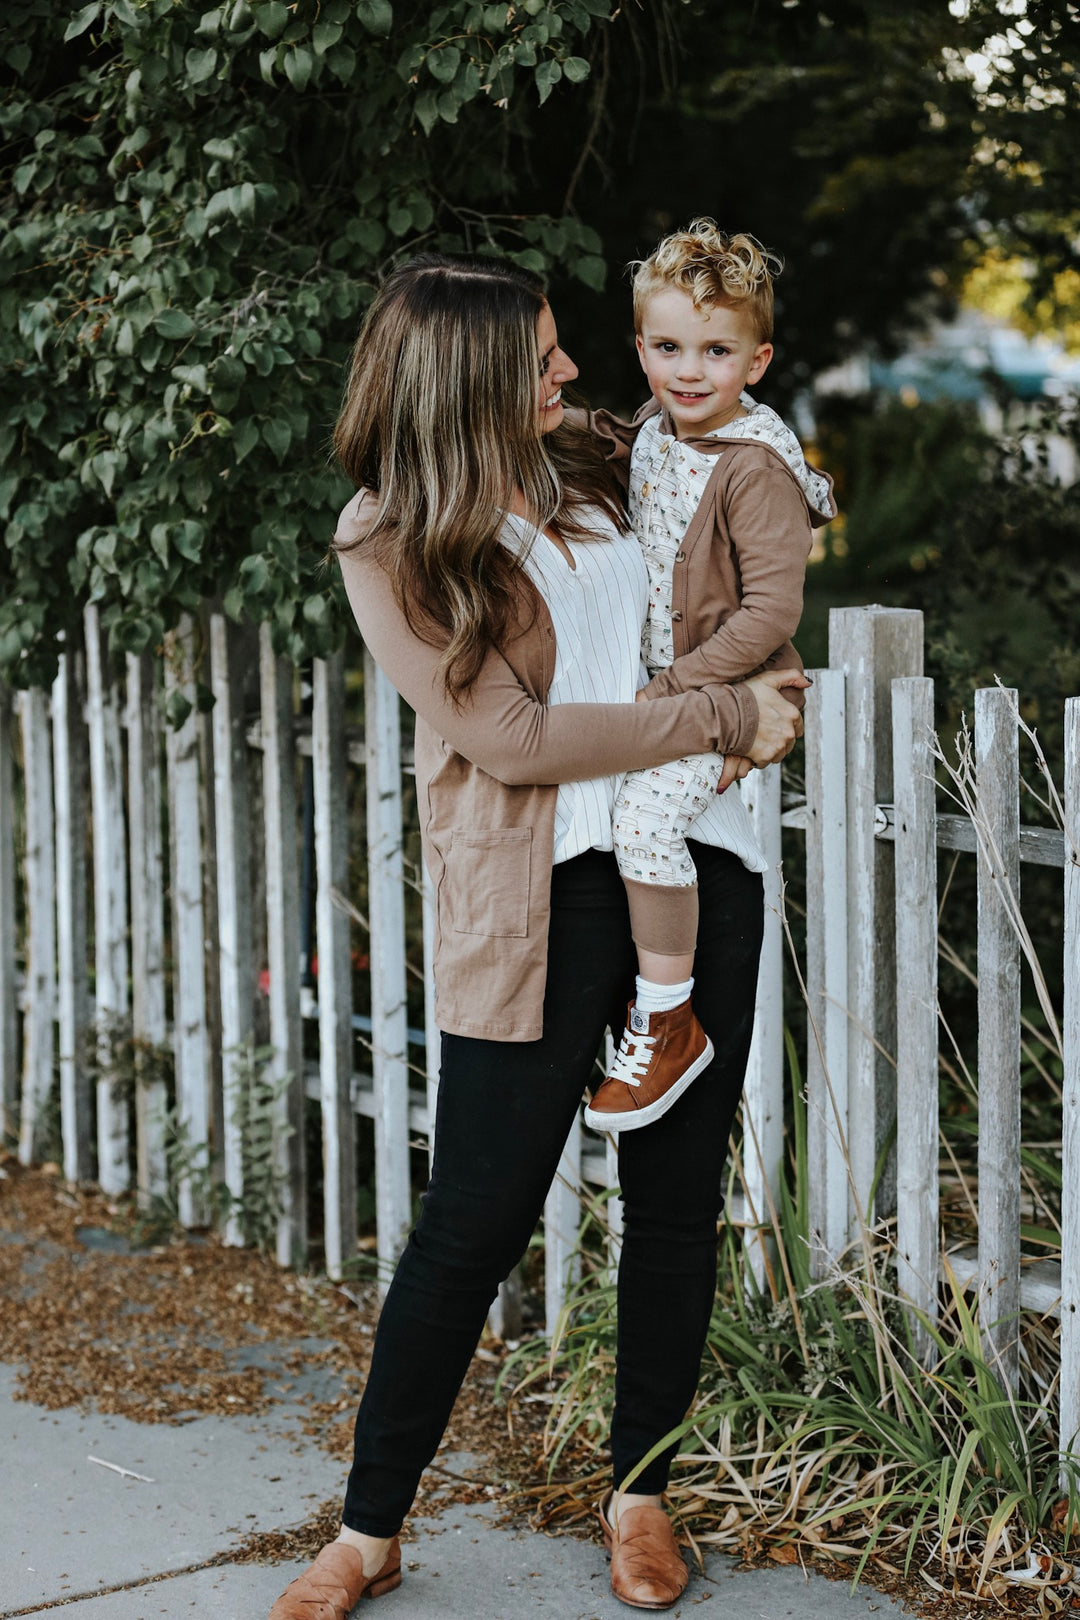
x: 655, y: 809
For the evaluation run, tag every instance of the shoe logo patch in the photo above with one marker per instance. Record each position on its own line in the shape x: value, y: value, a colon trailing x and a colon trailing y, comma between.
x: 639, y: 1022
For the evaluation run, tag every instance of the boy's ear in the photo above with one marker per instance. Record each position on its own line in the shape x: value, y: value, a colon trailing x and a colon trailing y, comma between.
x: 640, y: 343
x: 760, y: 363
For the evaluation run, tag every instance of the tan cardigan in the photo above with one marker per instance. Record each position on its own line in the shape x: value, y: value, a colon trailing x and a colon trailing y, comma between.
x: 487, y: 778
x: 737, y: 583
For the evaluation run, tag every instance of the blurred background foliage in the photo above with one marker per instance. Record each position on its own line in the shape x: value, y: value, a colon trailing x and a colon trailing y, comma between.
x: 197, y: 202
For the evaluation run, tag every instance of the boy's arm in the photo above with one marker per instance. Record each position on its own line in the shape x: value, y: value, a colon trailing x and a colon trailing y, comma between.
x: 767, y: 519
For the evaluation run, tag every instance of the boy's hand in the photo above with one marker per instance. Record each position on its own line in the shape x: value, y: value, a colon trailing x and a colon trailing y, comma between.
x: 736, y: 766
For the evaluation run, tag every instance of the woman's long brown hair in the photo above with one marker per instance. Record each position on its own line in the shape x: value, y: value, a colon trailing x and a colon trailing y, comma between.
x: 440, y: 423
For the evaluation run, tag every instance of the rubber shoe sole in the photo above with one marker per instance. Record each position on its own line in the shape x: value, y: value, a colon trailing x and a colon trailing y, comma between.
x: 635, y: 1118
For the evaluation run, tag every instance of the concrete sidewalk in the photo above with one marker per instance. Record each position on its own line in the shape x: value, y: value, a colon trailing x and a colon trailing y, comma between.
x: 109, y: 1547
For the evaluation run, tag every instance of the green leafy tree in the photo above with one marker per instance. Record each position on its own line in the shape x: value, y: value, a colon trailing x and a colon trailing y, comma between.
x: 196, y: 205
x: 882, y: 149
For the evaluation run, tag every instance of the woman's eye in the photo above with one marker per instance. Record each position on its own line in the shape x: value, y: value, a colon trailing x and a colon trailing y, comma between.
x: 544, y: 364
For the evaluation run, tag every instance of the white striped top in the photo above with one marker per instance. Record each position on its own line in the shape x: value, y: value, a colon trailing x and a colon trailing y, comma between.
x: 597, y: 609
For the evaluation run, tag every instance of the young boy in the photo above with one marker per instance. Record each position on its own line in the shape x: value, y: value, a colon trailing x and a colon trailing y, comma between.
x: 723, y: 504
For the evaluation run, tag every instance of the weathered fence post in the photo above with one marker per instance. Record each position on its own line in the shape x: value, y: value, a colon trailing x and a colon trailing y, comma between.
x: 9, y: 1053
x: 148, y: 1025
x: 829, y: 1191
x: 389, y: 1014
x: 1069, y: 1435
x: 236, y: 969
x: 70, y: 772
x: 763, y: 1097
x: 917, y: 1240
x: 562, y: 1217
x: 40, y: 923
x: 335, y: 962
x: 872, y: 645
x: 190, y: 1044
x: 110, y: 904
x: 432, y: 1038
x: 997, y: 763
x: 283, y: 944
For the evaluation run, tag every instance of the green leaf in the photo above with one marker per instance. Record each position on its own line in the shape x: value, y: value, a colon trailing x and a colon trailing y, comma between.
x: 426, y: 111
x: 200, y: 65
x: 177, y: 708
x: 342, y: 63
x: 367, y: 234
x: 376, y: 15
x: 187, y: 537
x: 278, y: 436
x: 592, y: 271
x: 81, y: 21
x: 255, y: 573
x: 443, y: 64
x: 325, y: 35
x: 272, y: 18
x: 576, y: 69
x: 547, y: 75
x: 299, y: 64
x: 173, y: 323
x: 159, y: 542
x: 245, y: 437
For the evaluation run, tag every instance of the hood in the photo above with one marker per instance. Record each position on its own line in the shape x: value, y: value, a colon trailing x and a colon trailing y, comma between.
x: 761, y: 425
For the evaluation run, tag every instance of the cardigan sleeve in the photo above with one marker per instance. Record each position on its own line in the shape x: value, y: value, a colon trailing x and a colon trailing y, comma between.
x: 516, y: 737
x: 766, y: 516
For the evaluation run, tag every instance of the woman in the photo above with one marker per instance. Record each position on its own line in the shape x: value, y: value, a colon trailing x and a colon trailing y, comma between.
x: 489, y: 568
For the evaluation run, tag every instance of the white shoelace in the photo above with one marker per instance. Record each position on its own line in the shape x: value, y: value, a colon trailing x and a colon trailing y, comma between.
x: 631, y: 1069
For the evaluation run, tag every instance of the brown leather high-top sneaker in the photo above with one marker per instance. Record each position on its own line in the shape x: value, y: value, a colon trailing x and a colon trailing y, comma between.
x: 659, y: 1055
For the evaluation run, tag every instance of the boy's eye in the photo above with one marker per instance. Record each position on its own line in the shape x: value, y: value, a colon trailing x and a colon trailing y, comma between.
x: 666, y: 348
x: 718, y: 349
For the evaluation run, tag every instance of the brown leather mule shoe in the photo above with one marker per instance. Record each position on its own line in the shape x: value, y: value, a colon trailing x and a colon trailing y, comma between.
x: 335, y: 1583
x: 647, y: 1568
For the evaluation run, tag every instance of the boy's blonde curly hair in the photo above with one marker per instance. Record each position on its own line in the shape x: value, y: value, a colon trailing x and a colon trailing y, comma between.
x: 714, y: 268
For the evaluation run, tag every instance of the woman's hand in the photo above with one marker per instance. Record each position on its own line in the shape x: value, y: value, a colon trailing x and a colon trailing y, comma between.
x: 780, y: 724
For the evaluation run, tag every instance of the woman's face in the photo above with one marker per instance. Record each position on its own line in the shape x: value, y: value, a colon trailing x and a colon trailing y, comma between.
x: 556, y: 368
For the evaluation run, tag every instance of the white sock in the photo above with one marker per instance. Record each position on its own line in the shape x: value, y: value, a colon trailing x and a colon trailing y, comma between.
x: 652, y: 997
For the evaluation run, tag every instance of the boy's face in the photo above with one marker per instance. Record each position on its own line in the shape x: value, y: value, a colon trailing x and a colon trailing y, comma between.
x: 699, y: 361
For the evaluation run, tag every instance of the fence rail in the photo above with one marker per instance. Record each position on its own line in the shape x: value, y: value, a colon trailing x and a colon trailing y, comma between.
x: 151, y: 877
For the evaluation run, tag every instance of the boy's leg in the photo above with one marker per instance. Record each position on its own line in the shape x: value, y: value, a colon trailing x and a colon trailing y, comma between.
x: 654, y: 811
x: 672, y: 1179
x: 504, y: 1111
x: 663, y: 1048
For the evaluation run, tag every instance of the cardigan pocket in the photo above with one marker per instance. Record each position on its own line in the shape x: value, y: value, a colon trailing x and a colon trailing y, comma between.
x: 487, y: 878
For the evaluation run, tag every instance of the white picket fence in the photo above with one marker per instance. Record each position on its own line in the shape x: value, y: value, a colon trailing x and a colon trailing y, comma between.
x: 175, y: 923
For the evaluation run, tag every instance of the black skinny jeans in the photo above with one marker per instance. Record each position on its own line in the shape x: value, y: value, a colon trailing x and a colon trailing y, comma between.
x: 504, y: 1111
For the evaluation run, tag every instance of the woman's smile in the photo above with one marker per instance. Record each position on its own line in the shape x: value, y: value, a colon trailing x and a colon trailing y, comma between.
x: 556, y: 368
